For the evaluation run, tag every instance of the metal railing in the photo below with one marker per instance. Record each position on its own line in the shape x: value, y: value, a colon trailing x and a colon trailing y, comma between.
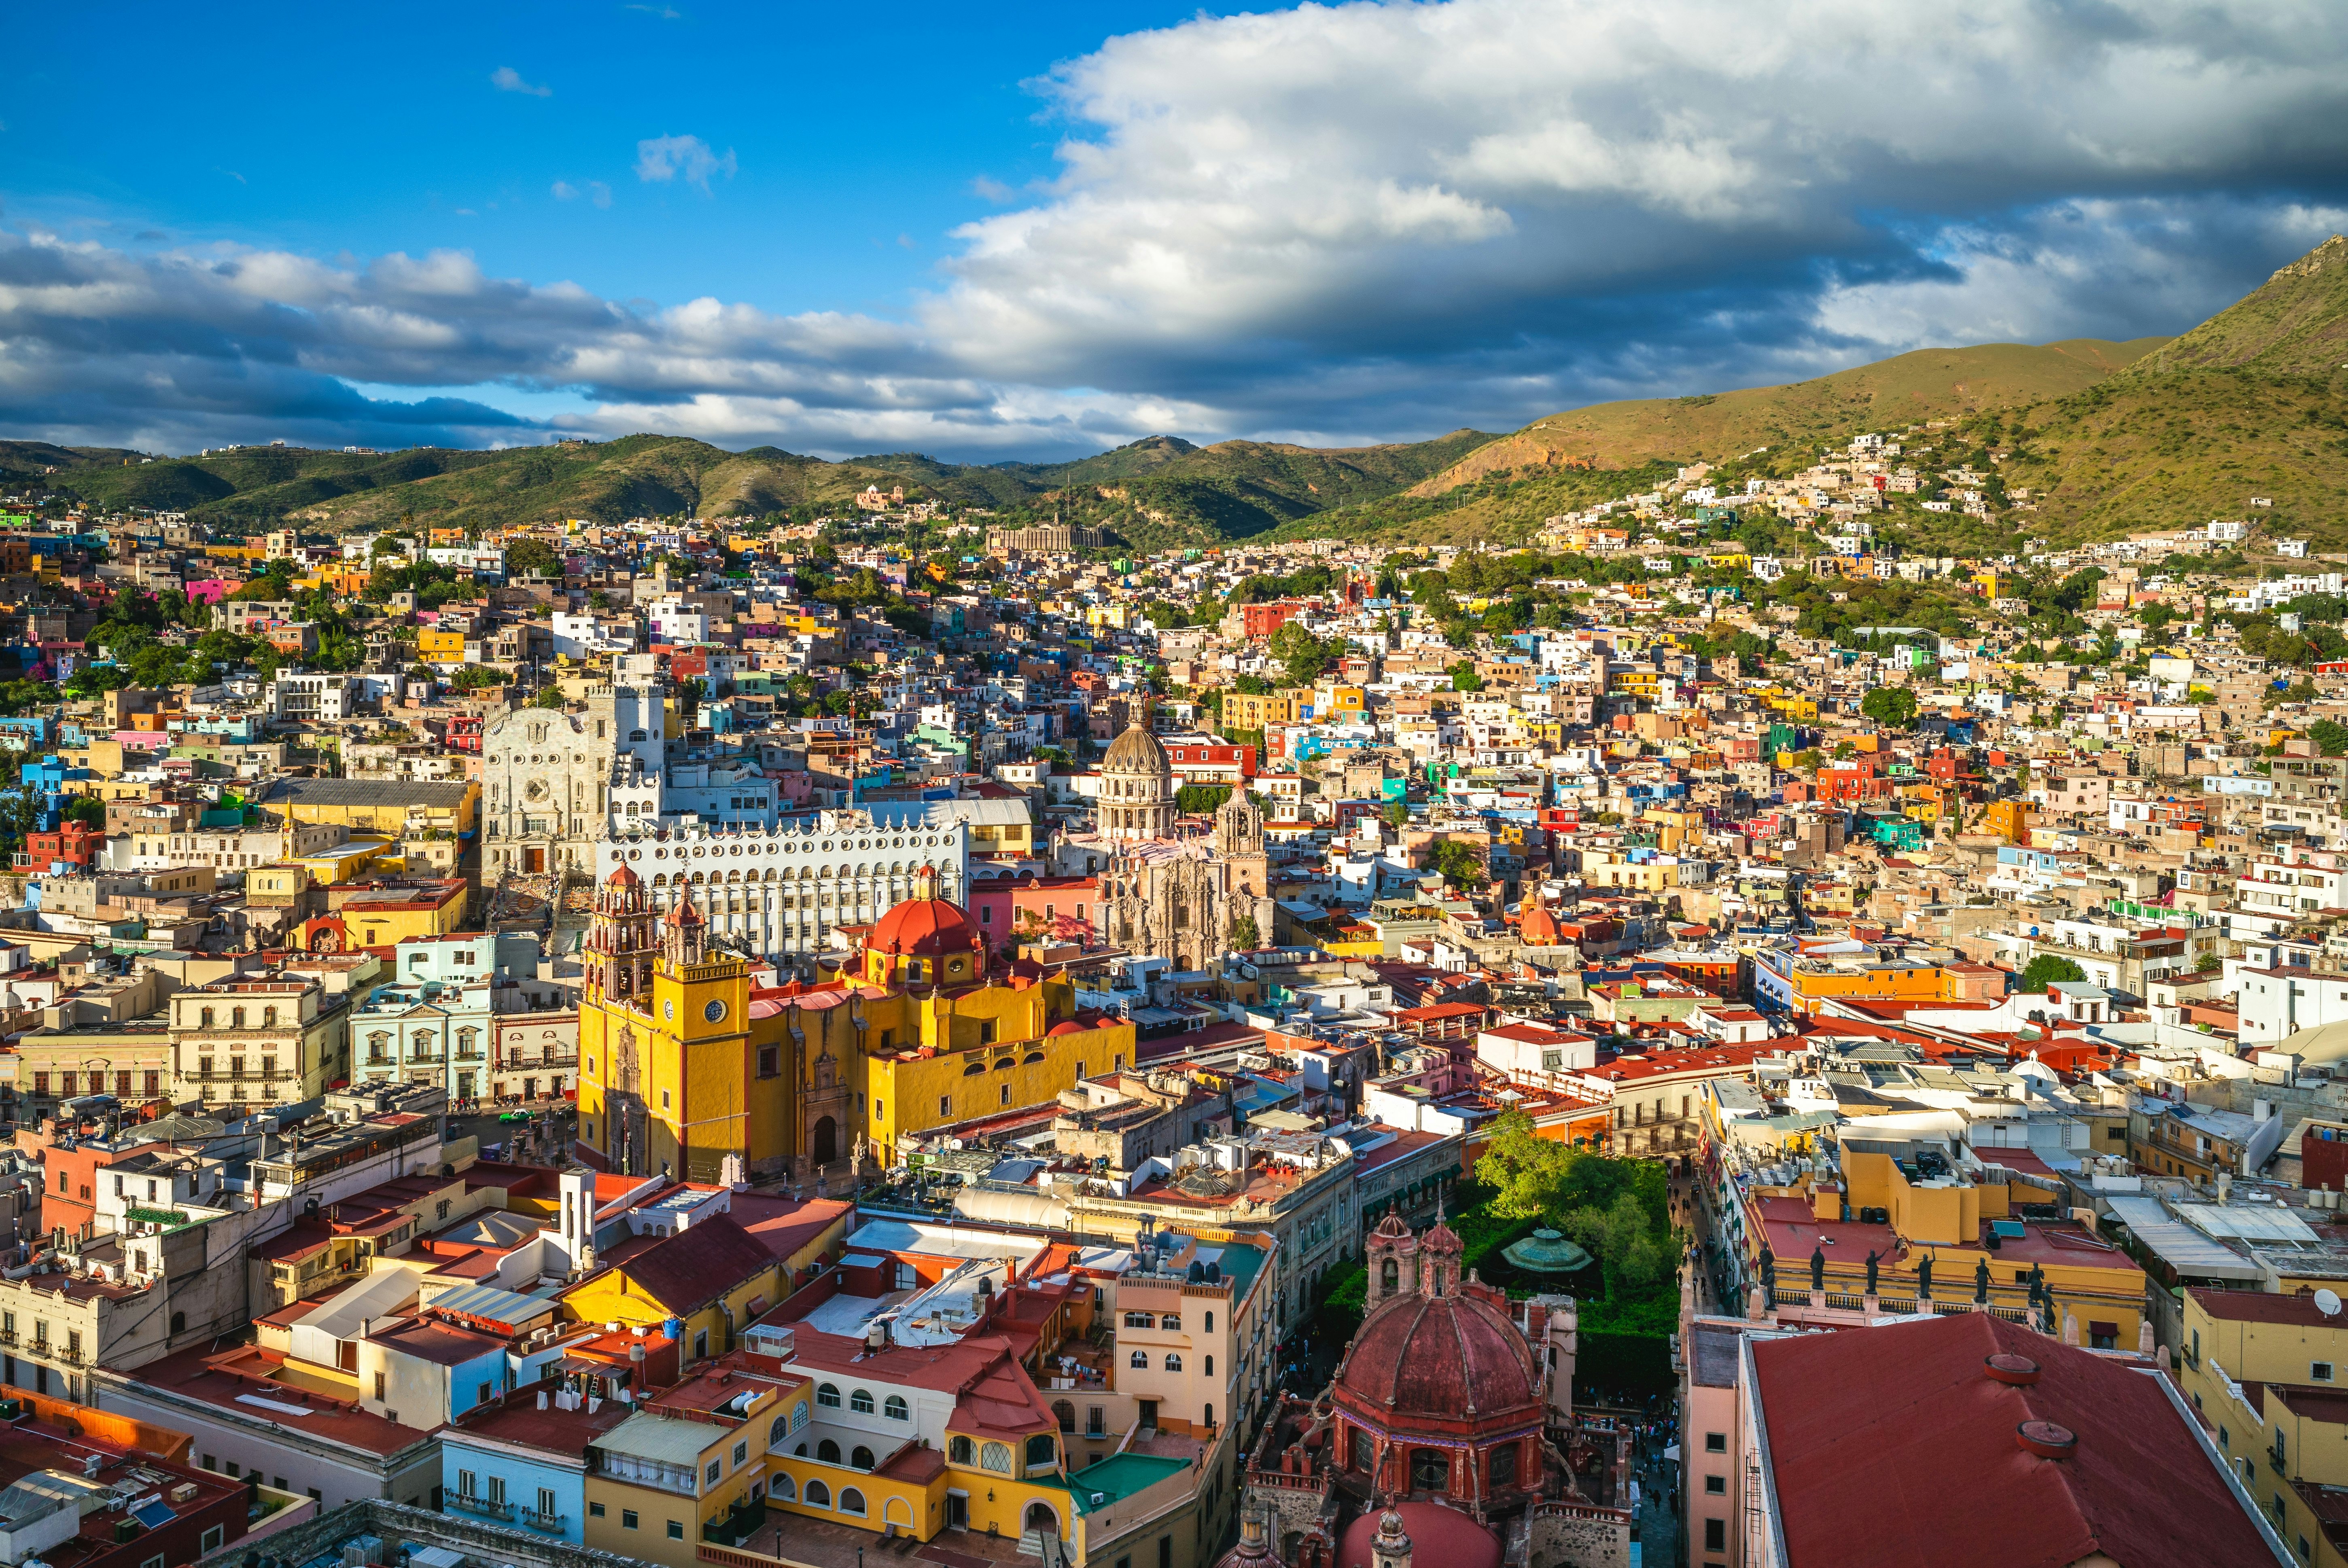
x: 482, y: 1506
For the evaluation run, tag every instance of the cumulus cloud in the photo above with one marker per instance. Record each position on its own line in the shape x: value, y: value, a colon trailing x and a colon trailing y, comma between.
x: 1361, y: 222
x: 506, y: 79
x: 595, y: 191
x: 662, y: 159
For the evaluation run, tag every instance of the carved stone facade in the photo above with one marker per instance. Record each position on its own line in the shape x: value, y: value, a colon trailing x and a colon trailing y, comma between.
x: 546, y: 779
x: 1191, y: 901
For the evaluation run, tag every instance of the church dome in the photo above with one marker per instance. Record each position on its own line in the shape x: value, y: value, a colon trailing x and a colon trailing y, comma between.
x: 1136, y: 751
x: 1440, y: 1357
x: 923, y: 929
x: 1433, y: 1531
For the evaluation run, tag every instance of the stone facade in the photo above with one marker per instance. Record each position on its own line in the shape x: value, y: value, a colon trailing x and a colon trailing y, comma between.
x: 1189, y: 901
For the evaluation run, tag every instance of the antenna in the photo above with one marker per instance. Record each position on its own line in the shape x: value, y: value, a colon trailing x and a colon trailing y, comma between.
x: 2327, y: 1302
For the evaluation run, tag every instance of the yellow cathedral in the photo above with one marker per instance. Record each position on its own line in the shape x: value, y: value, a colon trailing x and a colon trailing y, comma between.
x: 687, y: 1070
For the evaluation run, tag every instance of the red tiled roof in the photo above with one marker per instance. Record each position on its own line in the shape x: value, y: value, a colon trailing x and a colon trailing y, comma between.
x: 1895, y: 1446
x: 689, y: 1269
x: 2261, y: 1307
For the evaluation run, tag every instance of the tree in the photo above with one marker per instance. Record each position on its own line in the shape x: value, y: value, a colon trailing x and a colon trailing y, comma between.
x: 2047, y: 969
x: 86, y: 809
x: 2331, y: 736
x: 1243, y: 935
x: 1304, y: 657
x: 525, y: 555
x: 1464, y: 677
x: 1460, y: 863
x: 1893, y: 707
x: 550, y: 698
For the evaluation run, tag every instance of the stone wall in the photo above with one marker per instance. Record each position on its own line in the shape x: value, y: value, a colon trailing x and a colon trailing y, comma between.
x: 1563, y: 1537
x: 1287, y: 1510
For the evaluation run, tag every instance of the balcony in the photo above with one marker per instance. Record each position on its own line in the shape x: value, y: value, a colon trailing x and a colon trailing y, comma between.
x: 483, y: 1507
x: 537, y: 1520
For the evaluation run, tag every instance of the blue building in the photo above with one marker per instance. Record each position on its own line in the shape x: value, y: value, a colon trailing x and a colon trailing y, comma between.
x: 523, y: 1461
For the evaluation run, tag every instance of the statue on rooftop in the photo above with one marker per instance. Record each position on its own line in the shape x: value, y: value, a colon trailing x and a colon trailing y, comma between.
x: 1871, y: 1271
x: 1981, y: 1280
x: 1768, y: 1269
x: 1924, y: 1277
x: 1818, y: 1266
x: 2037, y: 1282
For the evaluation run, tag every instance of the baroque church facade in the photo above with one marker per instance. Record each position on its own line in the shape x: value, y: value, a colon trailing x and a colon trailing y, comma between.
x: 1185, y: 899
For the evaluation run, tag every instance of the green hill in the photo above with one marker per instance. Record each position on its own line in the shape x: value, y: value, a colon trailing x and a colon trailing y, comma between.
x: 1929, y: 383
x: 2296, y: 324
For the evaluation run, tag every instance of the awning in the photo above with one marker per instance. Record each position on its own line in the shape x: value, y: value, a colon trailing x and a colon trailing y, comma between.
x: 2190, y: 1253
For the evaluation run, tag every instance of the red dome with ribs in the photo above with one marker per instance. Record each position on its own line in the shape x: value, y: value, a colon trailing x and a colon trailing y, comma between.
x: 923, y: 929
x: 1450, y: 1357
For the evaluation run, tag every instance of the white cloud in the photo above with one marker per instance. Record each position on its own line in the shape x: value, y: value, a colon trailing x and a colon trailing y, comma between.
x: 506, y: 79
x: 661, y: 159
x: 1351, y: 222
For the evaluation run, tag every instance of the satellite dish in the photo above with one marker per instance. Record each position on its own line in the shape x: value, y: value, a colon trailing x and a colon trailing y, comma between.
x: 2327, y: 1302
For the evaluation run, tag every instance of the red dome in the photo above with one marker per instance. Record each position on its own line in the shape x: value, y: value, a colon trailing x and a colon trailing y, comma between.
x: 923, y: 929
x: 1445, y: 1358
x: 1438, y: 1534
x: 1071, y: 1027
x: 621, y: 877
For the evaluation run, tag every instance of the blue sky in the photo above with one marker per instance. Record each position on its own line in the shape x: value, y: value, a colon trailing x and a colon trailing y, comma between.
x: 1043, y: 232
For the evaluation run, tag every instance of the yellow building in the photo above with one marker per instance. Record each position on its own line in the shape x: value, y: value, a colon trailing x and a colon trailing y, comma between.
x: 382, y: 808
x: 679, y: 1070
x: 437, y: 647
x: 713, y: 1276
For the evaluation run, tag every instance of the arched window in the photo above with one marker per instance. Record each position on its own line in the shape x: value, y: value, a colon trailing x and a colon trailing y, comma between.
x: 1140, y: 1360
x: 236, y: 1018
x: 1066, y: 1413
x: 179, y: 1323
x: 851, y: 1502
x: 1210, y: 1322
x: 818, y: 1495
x: 1173, y: 1362
x: 1041, y: 1454
x: 268, y: 1018
x: 893, y: 1407
x: 1430, y: 1470
x: 1210, y: 1366
x: 860, y: 1401
x: 775, y: 1433
x: 801, y: 1452
x: 996, y: 1456
x: 827, y: 1451
x: 861, y: 1458
x: 1504, y: 1465
x: 962, y: 1450
x: 783, y: 1488
x: 1389, y: 1277
x: 827, y: 1395
x: 1171, y: 1323
x: 798, y: 1417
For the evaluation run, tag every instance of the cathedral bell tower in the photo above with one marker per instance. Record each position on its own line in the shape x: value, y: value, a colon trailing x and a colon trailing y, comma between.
x: 622, y: 939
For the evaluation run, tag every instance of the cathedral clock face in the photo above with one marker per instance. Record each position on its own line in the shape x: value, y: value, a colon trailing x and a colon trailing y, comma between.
x: 715, y: 1012
x: 669, y: 1011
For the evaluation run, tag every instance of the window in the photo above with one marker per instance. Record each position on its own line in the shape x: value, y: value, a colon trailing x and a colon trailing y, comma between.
x: 1430, y: 1470
x: 676, y: 1530
x: 1504, y: 1465
x: 780, y: 1425
x: 818, y: 1495
x: 497, y: 1489
x: 465, y: 1485
x: 1173, y: 1361
x: 859, y: 1458
x: 1004, y: 1096
x: 1715, y: 1443
x: 1040, y: 1452
x: 1096, y: 1421
x: 1171, y: 1323
x: 627, y: 1519
x: 828, y: 1395
x: 595, y: 1511
x: 1139, y: 1320
x: 851, y: 1502
x: 1716, y: 1535
x: 827, y: 1451
x: 545, y: 1504
x: 1717, y: 1485
x: 894, y: 1409
x: 996, y: 1456
x: 962, y: 1450
x: 1141, y: 1360
x: 378, y: 1385
x: 860, y: 1401
x: 741, y: 1453
x: 1364, y: 1451
x: 709, y: 1475
x: 213, y: 1538
x: 2320, y: 1372
x: 1210, y: 1322
x: 945, y: 1104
